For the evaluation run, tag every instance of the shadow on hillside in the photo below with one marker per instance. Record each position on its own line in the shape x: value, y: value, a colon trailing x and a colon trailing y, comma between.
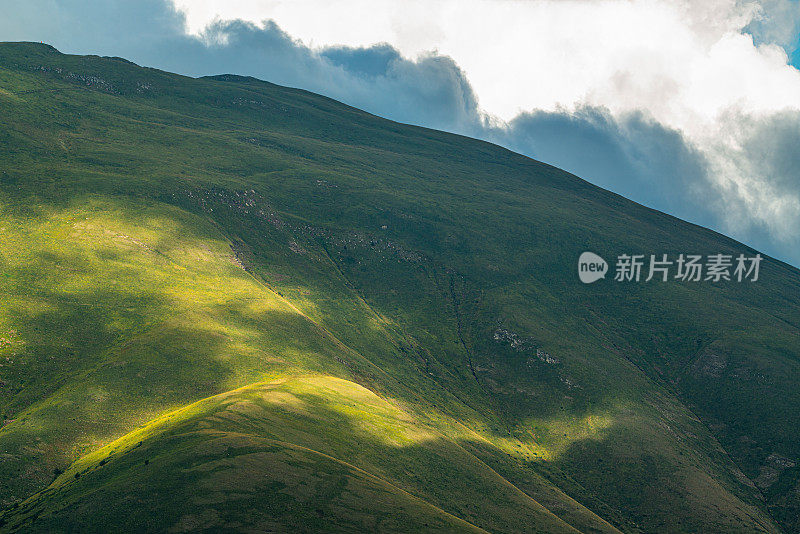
x: 220, y: 458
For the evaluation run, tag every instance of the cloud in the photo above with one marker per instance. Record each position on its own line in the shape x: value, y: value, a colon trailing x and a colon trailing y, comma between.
x: 687, y: 107
x: 776, y: 22
x: 681, y: 60
x: 429, y: 90
x: 91, y: 26
x: 632, y: 155
x: 763, y: 196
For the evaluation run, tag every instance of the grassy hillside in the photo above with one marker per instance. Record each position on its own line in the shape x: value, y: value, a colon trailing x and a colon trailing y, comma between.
x: 235, y: 456
x: 289, y: 301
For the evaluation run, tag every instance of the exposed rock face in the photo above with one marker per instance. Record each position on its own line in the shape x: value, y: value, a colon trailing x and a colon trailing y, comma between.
x: 520, y: 344
x: 773, y: 468
x: 710, y: 363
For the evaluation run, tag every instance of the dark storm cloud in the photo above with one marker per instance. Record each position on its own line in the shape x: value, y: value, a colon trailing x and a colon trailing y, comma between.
x: 431, y: 90
x: 367, y: 61
x: 634, y: 156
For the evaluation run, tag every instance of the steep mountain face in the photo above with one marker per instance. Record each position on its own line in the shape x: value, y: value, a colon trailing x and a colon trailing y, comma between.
x: 232, y: 305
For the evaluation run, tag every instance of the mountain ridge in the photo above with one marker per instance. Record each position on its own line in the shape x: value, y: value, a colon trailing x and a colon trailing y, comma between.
x: 181, y: 198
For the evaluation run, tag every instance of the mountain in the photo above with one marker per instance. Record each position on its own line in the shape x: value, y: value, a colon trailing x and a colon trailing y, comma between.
x: 233, y: 306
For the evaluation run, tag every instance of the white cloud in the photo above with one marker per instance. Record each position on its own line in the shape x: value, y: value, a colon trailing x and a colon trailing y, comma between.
x: 678, y: 59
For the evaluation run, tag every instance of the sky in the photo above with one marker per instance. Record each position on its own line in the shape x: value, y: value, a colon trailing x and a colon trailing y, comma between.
x: 688, y: 107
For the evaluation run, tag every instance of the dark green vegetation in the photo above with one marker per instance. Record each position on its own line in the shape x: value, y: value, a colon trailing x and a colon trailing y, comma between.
x: 226, y: 304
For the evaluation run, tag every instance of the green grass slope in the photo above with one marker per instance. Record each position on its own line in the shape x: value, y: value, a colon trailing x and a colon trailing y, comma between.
x: 266, y: 458
x: 205, y: 324
x: 167, y: 240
